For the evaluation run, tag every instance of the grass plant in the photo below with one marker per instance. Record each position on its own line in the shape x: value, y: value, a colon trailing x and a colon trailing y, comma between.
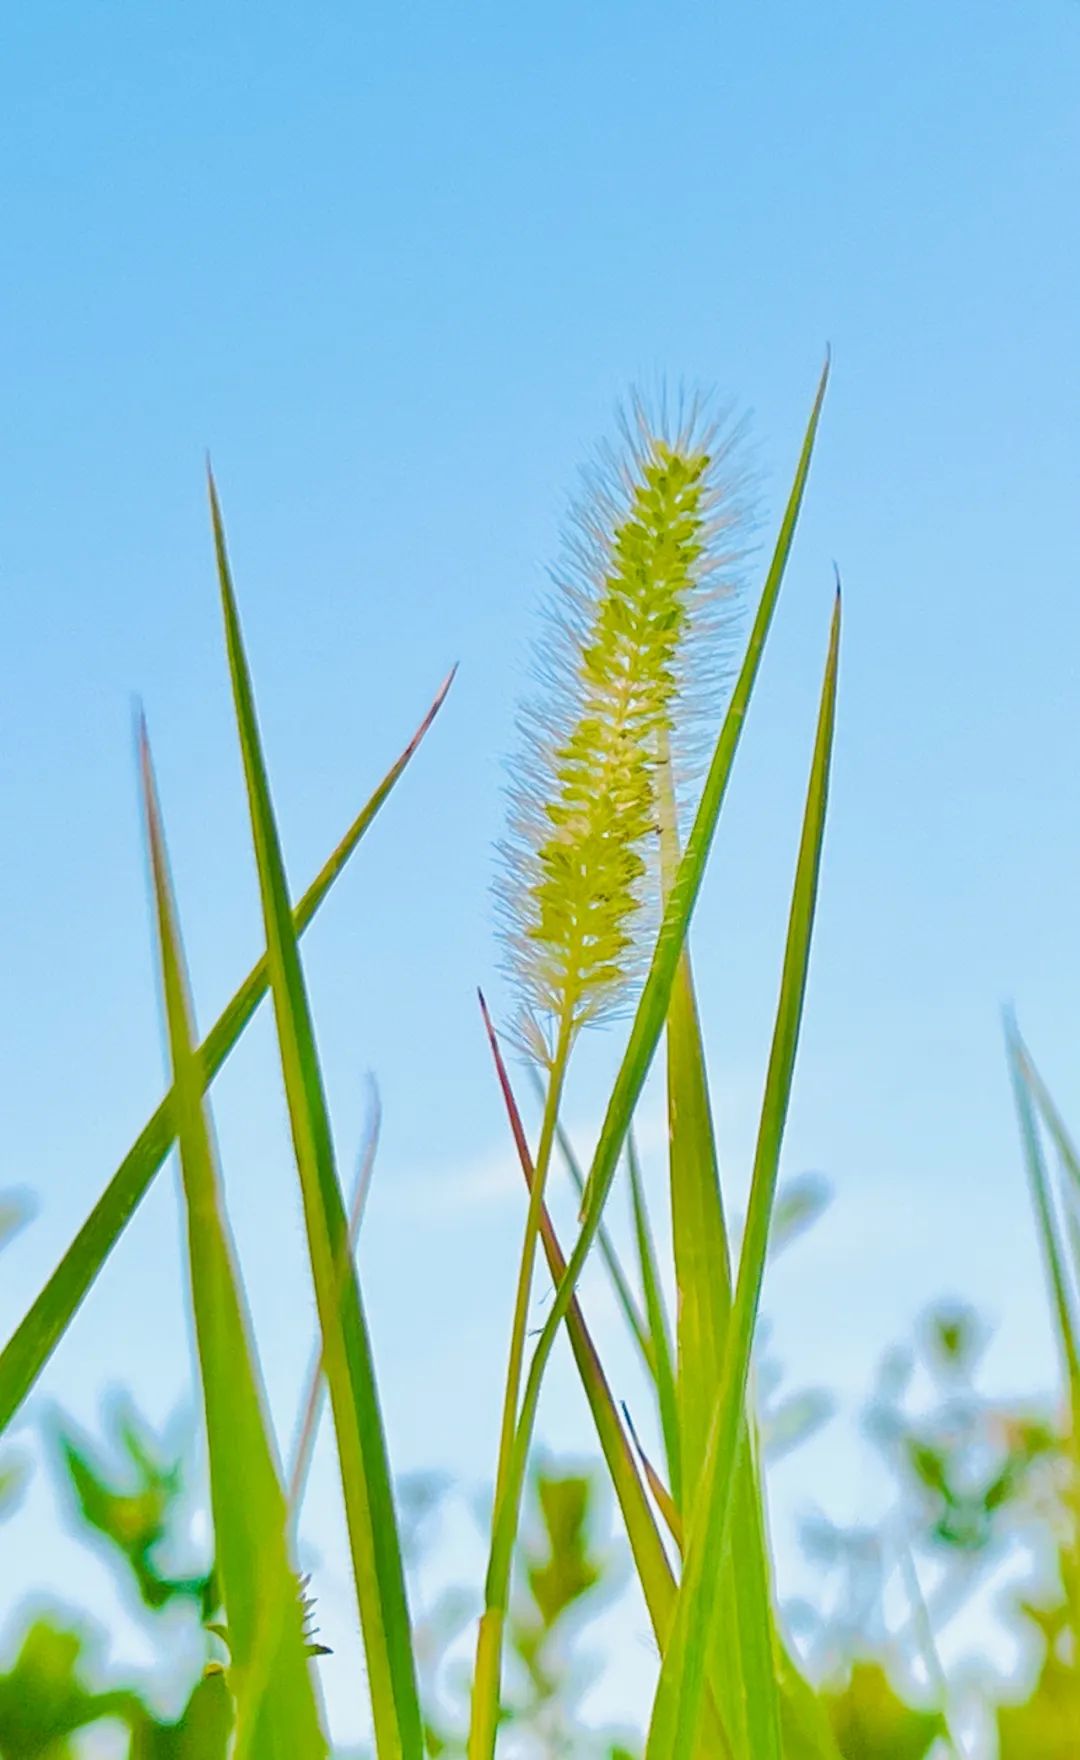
x: 628, y: 749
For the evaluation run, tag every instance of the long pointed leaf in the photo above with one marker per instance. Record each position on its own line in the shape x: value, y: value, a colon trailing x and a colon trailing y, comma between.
x: 741, y: 1659
x: 1026, y: 1085
x: 620, y: 1283
x: 276, y: 1709
x: 659, y: 1329
x: 676, y: 1713
x: 311, y: 1406
x: 45, y: 1322
x: 698, y: 1225
x: 350, y: 1373
x: 650, y: 1559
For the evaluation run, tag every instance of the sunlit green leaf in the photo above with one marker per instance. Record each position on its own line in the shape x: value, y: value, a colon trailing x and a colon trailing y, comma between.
x: 347, y: 1357
x: 276, y: 1707
x: 38, y: 1333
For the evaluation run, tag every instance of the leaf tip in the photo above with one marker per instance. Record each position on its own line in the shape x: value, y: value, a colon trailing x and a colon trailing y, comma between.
x: 444, y: 689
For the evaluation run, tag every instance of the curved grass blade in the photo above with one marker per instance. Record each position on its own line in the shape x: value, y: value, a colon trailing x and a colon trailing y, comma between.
x: 698, y: 1225
x: 770, y: 1695
x: 650, y: 1559
x: 350, y: 1373
x: 647, y: 1548
x: 806, y: 1730
x: 662, y: 1497
x: 659, y: 1329
x: 1058, y: 1131
x: 312, y: 1403
x: 276, y: 1706
x: 699, y: 1229
x: 620, y: 1283
x: 1068, y: 1155
x: 45, y: 1322
x: 647, y: 1026
x: 676, y: 1712
x: 749, y: 1590
x: 1028, y: 1091
x: 741, y: 1659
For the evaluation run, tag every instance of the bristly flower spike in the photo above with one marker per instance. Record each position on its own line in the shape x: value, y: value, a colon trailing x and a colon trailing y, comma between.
x: 638, y: 629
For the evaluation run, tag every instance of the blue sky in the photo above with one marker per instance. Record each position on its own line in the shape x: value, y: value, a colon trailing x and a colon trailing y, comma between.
x: 396, y: 271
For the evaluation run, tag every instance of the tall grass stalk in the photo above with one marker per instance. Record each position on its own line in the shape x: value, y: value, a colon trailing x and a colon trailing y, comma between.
x: 643, y: 560
x: 648, y: 1023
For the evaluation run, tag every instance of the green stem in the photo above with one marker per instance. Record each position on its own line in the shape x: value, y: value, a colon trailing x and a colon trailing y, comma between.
x: 487, y: 1680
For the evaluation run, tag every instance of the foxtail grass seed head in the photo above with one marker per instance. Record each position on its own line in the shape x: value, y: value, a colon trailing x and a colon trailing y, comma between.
x: 636, y: 640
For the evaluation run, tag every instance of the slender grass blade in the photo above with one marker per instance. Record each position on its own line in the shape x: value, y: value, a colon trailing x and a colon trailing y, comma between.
x: 661, y: 1496
x: 650, y: 1559
x: 659, y: 1328
x: 741, y: 1670
x: 45, y: 1322
x: 676, y: 1713
x: 1029, y: 1091
x: 311, y: 1406
x: 350, y: 1373
x: 276, y: 1709
x: 620, y: 1283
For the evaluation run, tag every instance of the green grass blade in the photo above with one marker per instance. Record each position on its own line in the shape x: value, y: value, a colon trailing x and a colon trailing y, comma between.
x: 647, y: 1548
x: 620, y: 1283
x: 45, y: 1322
x: 661, y: 1496
x: 698, y: 1225
x: 312, y: 1403
x: 699, y: 1230
x: 648, y: 1024
x: 806, y: 1730
x: 741, y: 1658
x: 1068, y: 1154
x: 650, y: 1559
x: 350, y: 1373
x: 676, y: 1713
x: 761, y: 1674
x: 275, y: 1703
x: 659, y: 1328
x: 1029, y: 1091
x: 755, y: 1624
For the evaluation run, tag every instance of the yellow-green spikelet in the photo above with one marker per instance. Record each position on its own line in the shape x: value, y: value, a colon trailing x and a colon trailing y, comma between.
x: 644, y: 564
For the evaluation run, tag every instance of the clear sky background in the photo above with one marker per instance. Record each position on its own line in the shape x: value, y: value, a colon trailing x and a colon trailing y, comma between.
x: 395, y: 267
